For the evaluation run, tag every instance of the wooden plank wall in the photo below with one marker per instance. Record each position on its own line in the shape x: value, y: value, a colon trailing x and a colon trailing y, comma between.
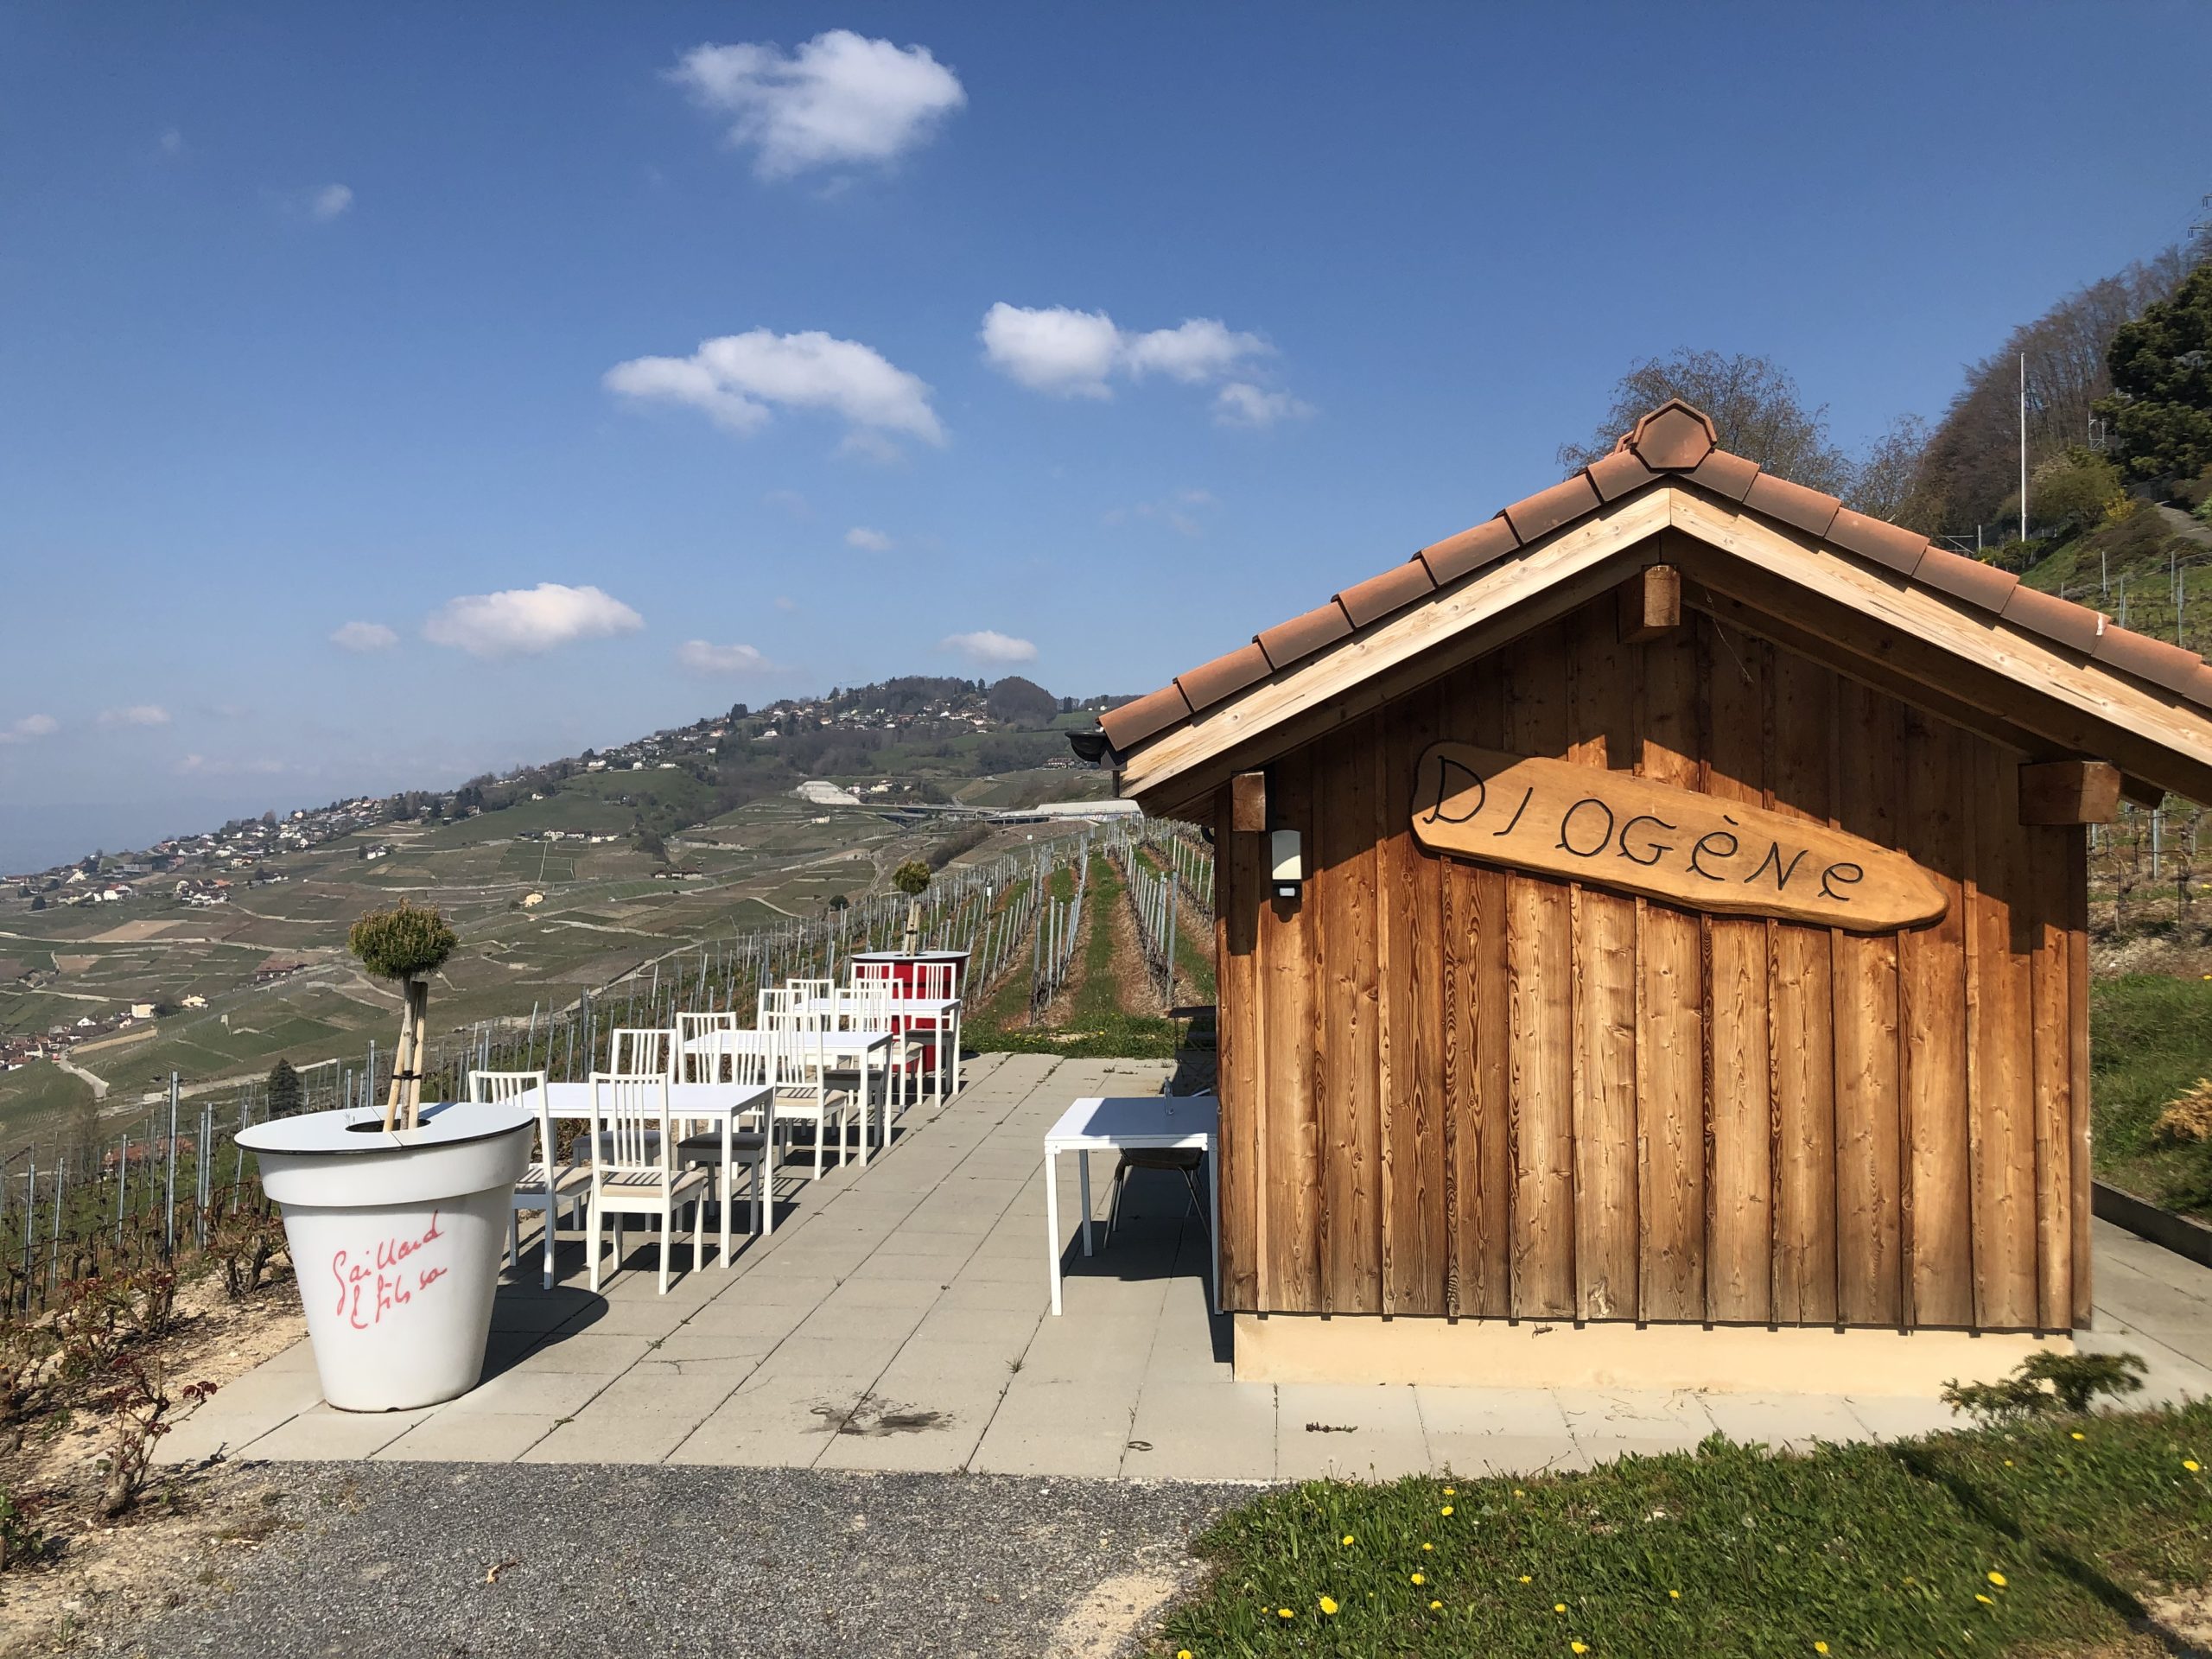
x: 1450, y: 1088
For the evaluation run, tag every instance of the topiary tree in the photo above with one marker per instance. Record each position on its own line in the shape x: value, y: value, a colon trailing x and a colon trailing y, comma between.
x: 283, y: 1089
x: 912, y: 879
x: 408, y: 944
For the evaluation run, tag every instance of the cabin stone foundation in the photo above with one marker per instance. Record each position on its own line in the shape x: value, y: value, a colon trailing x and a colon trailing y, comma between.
x: 1357, y: 1349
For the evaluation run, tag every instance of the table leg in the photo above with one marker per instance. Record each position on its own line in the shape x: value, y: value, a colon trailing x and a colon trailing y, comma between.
x: 1213, y: 1219
x: 956, y: 1048
x: 768, y: 1164
x: 729, y: 1177
x: 863, y: 1109
x: 1052, y: 1223
x: 1083, y: 1178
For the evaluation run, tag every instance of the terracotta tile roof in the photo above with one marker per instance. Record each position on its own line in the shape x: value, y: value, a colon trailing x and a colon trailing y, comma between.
x: 1674, y: 442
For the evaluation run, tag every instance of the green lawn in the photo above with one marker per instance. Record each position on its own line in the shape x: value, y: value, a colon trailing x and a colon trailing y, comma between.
x: 2033, y: 1539
x: 2150, y: 1039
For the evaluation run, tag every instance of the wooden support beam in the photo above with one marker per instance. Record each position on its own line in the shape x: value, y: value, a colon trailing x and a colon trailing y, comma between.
x: 2069, y: 791
x: 2141, y: 793
x: 1651, y: 604
x: 1247, y: 803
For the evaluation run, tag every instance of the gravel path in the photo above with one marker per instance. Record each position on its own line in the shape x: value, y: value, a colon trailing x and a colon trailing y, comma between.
x: 378, y: 1560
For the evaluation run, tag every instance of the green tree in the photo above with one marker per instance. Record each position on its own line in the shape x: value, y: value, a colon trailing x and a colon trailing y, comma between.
x: 283, y: 1089
x: 912, y: 879
x: 2074, y: 492
x: 2161, y: 403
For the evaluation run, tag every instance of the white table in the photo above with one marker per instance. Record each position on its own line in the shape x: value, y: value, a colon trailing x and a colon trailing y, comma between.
x: 944, y: 1012
x: 1128, y: 1123
x: 857, y: 1049
x: 725, y: 1100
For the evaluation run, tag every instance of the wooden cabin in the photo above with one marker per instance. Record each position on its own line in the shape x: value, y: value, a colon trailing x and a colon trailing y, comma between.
x: 1651, y: 939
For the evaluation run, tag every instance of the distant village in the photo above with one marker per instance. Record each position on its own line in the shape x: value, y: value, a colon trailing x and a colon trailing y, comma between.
x: 211, y: 869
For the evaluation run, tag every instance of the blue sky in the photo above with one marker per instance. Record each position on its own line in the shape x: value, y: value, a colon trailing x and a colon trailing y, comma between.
x: 320, y: 316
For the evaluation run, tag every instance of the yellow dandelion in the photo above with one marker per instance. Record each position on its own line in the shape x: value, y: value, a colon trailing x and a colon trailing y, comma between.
x: 1558, y: 1606
x: 1997, y: 1578
x: 1983, y: 1599
x: 2191, y: 1465
x: 1428, y: 1545
x: 2078, y: 1435
x: 1328, y: 1603
x: 1420, y: 1577
x: 1820, y: 1647
x: 2008, y: 1463
x: 1450, y: 1491
x: 1517, y: 1492
x: 1524, y: 1577
x: 1347, y: 1538
x: 1182, y: 1653
x: 1284, y: 1612
x: 1577, y: 1647
x: 1447, y: 1510
x: 1673, y: 1595
x: 1434, y: 1606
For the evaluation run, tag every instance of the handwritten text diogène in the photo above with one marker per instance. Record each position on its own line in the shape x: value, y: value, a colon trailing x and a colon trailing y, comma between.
x: 1588, y: 828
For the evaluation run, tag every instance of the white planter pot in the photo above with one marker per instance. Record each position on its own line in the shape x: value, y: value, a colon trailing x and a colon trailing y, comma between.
x: 397, y: 1240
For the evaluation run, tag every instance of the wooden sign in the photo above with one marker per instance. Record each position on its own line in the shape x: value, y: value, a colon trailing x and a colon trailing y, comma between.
x: 1614, y: 829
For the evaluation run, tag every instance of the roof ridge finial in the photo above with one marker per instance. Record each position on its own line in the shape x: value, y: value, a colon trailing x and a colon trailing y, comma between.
x: 1673, y: 438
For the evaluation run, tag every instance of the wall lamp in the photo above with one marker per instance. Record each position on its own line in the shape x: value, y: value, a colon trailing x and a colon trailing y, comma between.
x: 1285, y: 863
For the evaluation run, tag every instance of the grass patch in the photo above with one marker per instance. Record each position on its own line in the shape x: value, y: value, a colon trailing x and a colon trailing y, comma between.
x: 1732, y: 1550
x: 2150, y: 1039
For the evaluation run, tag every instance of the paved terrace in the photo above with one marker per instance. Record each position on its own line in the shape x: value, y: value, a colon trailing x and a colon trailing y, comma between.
x: 897, y: 1322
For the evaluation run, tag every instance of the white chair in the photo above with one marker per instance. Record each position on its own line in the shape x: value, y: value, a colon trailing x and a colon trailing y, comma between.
x: 800, y: 1074
x: 865, y: 1005
x: 692, y: 1053
x: 546, y: 1185
x: 640, y: 1051
x: 635, y: 1173
x: 741, y: 1065
x: 927, y: 1038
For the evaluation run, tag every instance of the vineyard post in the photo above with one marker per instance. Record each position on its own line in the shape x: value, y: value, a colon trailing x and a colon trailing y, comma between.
x: 169, y: 1208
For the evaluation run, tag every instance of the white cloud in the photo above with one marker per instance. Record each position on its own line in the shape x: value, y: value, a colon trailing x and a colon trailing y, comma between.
x: 1241, y: 404
x: 987, y: 646
x: 700, y: 657
x: 29, y: 728
x: 1052, y: 348
x: 841, y: 100
x: 736, y: 379
x: 1179, y: 511
x: 1076, y: 353
x: 868, y: 541
x: 198, y: 765
x: 171, y: 142
x: 364, y: 636
x: 521, y: 621
x: 139, y: 713
x: 328, y: 202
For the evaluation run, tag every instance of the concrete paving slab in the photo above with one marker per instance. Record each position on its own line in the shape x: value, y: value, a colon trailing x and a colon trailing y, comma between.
x: 1203, y: 1431
x: 655, y: 1389
x: 1786, y: 1422
x: 626, y: 1440
x: 478, y: 1437
x: 324, y: 1433
x: 1608, y: 1423
x: 529, y: 1393
x: 588, y: 1350
x: 1528, y: 1414
x: 1504, y: 1454
x: 1895, y: 1417
x: 1349, y: 1432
